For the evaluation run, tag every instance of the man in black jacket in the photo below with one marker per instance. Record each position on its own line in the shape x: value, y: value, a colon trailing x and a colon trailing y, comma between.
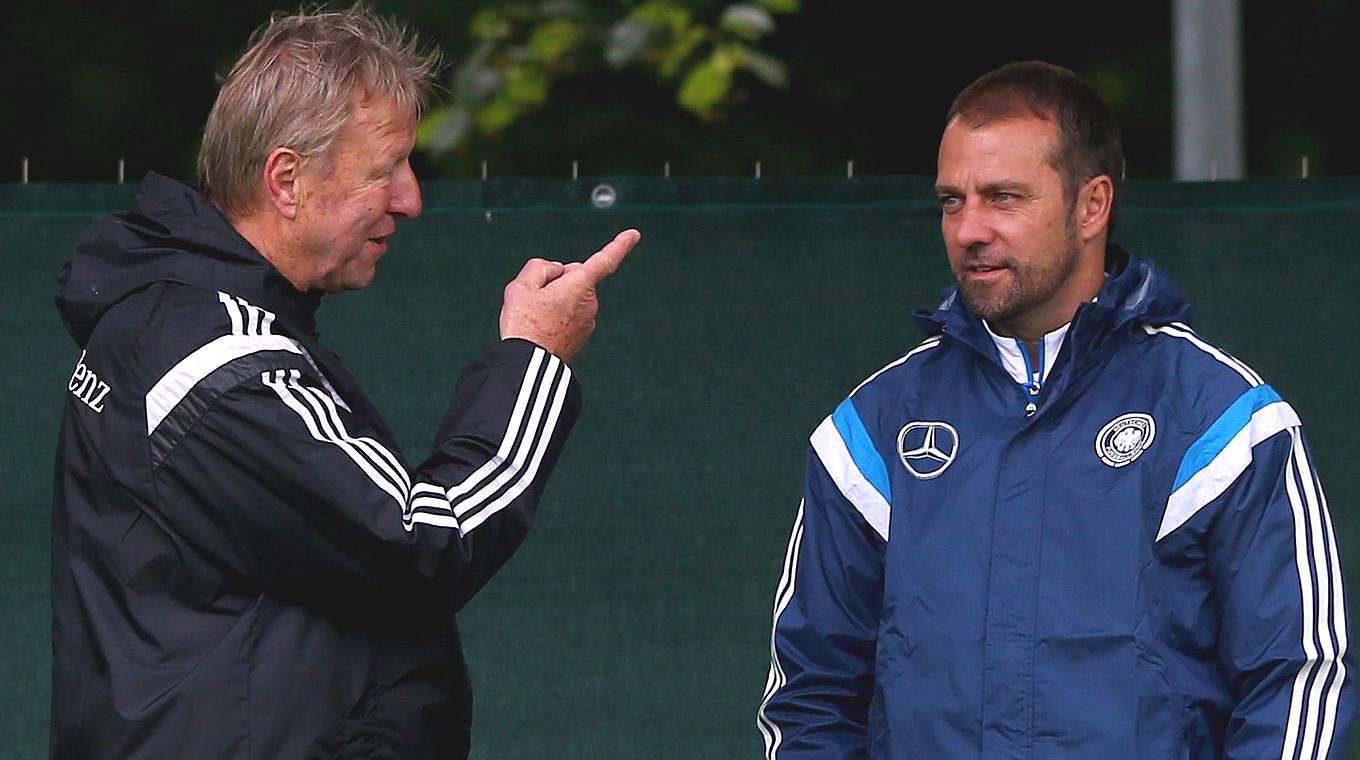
x: 243, y: 564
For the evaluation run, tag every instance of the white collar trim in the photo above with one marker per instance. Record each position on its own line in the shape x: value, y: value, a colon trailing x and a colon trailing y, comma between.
x: 1014, y: 361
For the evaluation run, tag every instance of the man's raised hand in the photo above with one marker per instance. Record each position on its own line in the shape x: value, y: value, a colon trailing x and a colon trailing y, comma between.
x: 554, y: 305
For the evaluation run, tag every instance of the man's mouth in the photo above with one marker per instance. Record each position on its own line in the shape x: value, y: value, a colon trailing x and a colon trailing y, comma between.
x: 984, y: 267
x: 383, y: 237
x: 983, y: 272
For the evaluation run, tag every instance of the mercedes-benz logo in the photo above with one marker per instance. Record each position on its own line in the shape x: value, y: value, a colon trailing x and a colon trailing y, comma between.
x: 927, y: 448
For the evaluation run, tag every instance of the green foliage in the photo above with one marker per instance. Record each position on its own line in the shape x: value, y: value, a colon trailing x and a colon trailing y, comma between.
x: 706, y: 84
x: 671, y: 61
x: 766, y: 68
x: 497, y: 114
x: 663, y: 13
x: 749, y: 22
x: 524, y: 48
x: 552, y: 40
x: 489, y: 24
x: 527, y: 85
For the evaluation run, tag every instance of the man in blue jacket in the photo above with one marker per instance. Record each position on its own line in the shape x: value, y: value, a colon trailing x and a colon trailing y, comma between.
x: 1064, y: 525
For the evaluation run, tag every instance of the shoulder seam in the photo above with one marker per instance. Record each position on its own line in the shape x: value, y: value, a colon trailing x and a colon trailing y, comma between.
x: 180, y: 380
x: 920, y: 348
x: 179, y: 421
x: 1183, y: 332
x: 251, y: 331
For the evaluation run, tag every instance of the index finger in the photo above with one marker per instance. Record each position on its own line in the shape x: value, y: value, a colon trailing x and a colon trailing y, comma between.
x: 606, y: 261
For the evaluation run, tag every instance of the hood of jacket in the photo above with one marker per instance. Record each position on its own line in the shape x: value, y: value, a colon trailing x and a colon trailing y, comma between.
x: 172, y: 234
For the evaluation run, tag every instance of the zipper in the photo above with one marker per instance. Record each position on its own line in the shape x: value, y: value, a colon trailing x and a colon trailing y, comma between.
x: 1036, y: 377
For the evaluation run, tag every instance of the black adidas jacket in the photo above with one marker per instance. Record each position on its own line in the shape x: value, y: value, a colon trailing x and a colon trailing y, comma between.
x: 243, y: 565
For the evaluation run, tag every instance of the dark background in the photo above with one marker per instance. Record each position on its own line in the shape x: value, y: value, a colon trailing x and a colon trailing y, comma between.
x: 635, y: 620
x: 87, y: 83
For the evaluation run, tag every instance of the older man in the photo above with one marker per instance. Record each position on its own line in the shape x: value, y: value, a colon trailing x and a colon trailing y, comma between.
x: 243, y: 563
x: 1064, y: 526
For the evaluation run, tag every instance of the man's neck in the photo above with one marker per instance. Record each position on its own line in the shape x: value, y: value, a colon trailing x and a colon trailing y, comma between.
x: 1033, y: 345
x: 268, y: 240
x: 1083, y: 285
x: 1031, y: 328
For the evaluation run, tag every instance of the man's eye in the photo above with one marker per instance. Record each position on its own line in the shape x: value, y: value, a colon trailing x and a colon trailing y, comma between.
x: 949, y: 202
x: 1006, y: 197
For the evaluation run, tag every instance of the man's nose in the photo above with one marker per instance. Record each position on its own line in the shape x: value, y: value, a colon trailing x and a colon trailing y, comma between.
x: 971, y: 227
x: 405, y: 199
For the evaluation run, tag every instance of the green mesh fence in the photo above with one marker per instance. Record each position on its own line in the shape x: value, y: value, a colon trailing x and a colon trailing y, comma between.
x: 635, y: 620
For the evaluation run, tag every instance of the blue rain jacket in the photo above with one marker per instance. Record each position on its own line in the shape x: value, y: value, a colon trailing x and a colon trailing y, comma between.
x: 1139, y: 565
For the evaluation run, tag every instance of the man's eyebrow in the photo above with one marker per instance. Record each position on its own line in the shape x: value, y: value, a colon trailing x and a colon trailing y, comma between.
x: 1006, y: 186
x: 991, y: 188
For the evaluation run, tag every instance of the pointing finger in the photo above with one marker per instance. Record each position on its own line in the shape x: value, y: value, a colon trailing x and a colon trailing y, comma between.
x: 607, y: 260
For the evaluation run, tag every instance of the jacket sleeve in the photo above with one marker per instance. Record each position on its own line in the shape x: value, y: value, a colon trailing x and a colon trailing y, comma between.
x: 827, y: 604
x: 282, y: 482
x: 1283, y: 633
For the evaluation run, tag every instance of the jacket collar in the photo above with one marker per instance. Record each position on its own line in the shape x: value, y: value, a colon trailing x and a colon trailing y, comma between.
x: 172, y: 234
x: 1135, y: 292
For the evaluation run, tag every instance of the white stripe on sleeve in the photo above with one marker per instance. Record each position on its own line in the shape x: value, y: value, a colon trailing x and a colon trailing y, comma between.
x: 321, y: 432
x: 233, y: 311
x: 924, y: 345
x: 463, y: 506
x: 252, y: 317
x: 840, y: 465
x: 1179, y: 330
x: 515, y: 465
x: 526, y: 390
x: 1320, y: 713
x: 374, y: 452
x: 1338, y: 621
x: 776, y: 679
x: 1211, y: 481
x: 527, y: 479
x: 1324, y: 634
x: 175, y: 384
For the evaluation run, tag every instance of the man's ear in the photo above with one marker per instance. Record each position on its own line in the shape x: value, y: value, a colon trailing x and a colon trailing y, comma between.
x: 1095, y: 200
x: 282, y: 181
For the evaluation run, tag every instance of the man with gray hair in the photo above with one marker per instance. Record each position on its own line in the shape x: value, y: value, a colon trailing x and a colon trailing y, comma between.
x: 243, y: 563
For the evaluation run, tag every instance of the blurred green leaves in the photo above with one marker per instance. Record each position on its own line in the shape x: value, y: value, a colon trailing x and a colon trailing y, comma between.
x: 523, y: 47
x: 551, y: 41
x: 749, y: 22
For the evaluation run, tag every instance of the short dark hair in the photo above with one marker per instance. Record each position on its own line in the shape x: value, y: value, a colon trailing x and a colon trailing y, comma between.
x: 1088, y: 137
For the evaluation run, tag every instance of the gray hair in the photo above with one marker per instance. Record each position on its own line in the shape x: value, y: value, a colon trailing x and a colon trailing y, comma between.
x: 293, y: 86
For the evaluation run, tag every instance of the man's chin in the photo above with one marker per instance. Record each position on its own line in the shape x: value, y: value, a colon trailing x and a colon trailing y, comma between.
x: 988, y: 306
x: 350, y: 281
x: 359, y: 283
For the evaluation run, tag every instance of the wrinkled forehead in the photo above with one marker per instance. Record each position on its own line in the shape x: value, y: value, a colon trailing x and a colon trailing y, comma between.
x: 375, y: 119
x: 1003, y: 103
x: 381, y: 111
x: 1021, y: 144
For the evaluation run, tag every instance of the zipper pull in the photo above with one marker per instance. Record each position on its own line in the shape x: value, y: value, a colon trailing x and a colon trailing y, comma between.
x: 1032, y: 395
x: 1036, y: 376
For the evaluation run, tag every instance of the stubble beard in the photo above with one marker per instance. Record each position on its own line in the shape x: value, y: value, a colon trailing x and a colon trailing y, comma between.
x: 1031, y: 284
